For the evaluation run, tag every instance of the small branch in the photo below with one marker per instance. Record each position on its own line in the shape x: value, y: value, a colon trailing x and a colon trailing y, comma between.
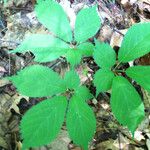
x: 21, y: 8
x: 119, y: 140
x: 118, y: 31
x: 138, y: 143
x: 9, y: 41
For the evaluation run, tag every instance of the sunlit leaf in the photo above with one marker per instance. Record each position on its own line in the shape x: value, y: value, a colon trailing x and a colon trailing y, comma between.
x: 71, y: 79
x: 83, y: 93
x: 136, y: 42
x: 103, y: 80
x: 87, y: 24
x: 81, y: 123
x: 126, y: 103
x: 86, y: 49
x: 38, y: 81
x: 53, y: 17
x: 45, y: 47
x: 141, y: 74
x: 42, y: 123
x: 73, y: 56
x: 104, y: 55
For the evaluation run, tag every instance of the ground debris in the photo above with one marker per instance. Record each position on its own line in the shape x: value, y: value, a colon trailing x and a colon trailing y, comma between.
x: 17, y: 19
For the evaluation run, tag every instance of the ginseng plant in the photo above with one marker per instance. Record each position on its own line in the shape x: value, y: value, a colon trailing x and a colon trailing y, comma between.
x: 66, y: 97
x: 125, y: 102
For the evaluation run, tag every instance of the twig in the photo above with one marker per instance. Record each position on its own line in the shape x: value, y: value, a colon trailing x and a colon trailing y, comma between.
x: 60, y: 60
x: 9, y: 70
x: 21, y: 8
x: 118, y: 31
x: 139, y: 143
x: 119, y: 140
x: 17, y: 43
x: 147, y: 3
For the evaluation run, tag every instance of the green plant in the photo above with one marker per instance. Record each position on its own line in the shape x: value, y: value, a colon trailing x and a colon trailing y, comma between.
x: 66, y: 101
x: 125, y: 101
x: 47, y: 47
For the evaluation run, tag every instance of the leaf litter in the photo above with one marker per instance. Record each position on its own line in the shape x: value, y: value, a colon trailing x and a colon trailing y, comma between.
x: 18, y: 19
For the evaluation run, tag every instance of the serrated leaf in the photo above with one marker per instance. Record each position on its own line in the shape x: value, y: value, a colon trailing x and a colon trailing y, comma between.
x: 42, y: 123
x: 104, y: 55
x: 48, y: 55
x: 126, y: 104
x: 136, y: 42
x: 45, y: 47
x: 71, y: 79
x: 81, y: 123
x: 86, y: 49
x: 103, y: 80
x: 141, y: 74
x: 73, y: 56
x: 83, y: 93
x: 38, y: 81
x: 87, y: 24
x: 53, y: 17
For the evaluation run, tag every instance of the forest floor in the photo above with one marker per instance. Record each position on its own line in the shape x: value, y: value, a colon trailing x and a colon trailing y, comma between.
x: 17, y: 18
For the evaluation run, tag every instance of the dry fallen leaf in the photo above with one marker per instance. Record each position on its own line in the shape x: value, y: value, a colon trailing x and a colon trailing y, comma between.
x: 2, y: 69
x: 4, y: 82
x: 117, y: 38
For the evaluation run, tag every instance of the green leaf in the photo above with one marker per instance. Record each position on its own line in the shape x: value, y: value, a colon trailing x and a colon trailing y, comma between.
x: 53, y: 17
x: 87, y: 24
x: 45, y: 47
x: 81, y: 123
x: 126, y: 104
x: 86, y: 49
x: 141, y: 74
x: 136, y: 42
x: 73, y: 56
x: 42, y: 123
x: 103, y: 80
x: 83, y: 93
x: 71, y: 79
x: 5, y: 2
x: 104, y: 55
x: 38, y: 81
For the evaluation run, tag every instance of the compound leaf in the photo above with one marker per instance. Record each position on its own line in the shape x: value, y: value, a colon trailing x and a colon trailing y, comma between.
x: 126, y: 103
x: 53, y: 17
x: 87, y: 24
x: 71, y: 79
x: 141, y: 74
x: 103, y: 80
x: 104, y: 55
x: 38, y: 81
x: 135, y: 43
x: 45, y: 47
x: 81, y: 123
x: 42, y: 123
